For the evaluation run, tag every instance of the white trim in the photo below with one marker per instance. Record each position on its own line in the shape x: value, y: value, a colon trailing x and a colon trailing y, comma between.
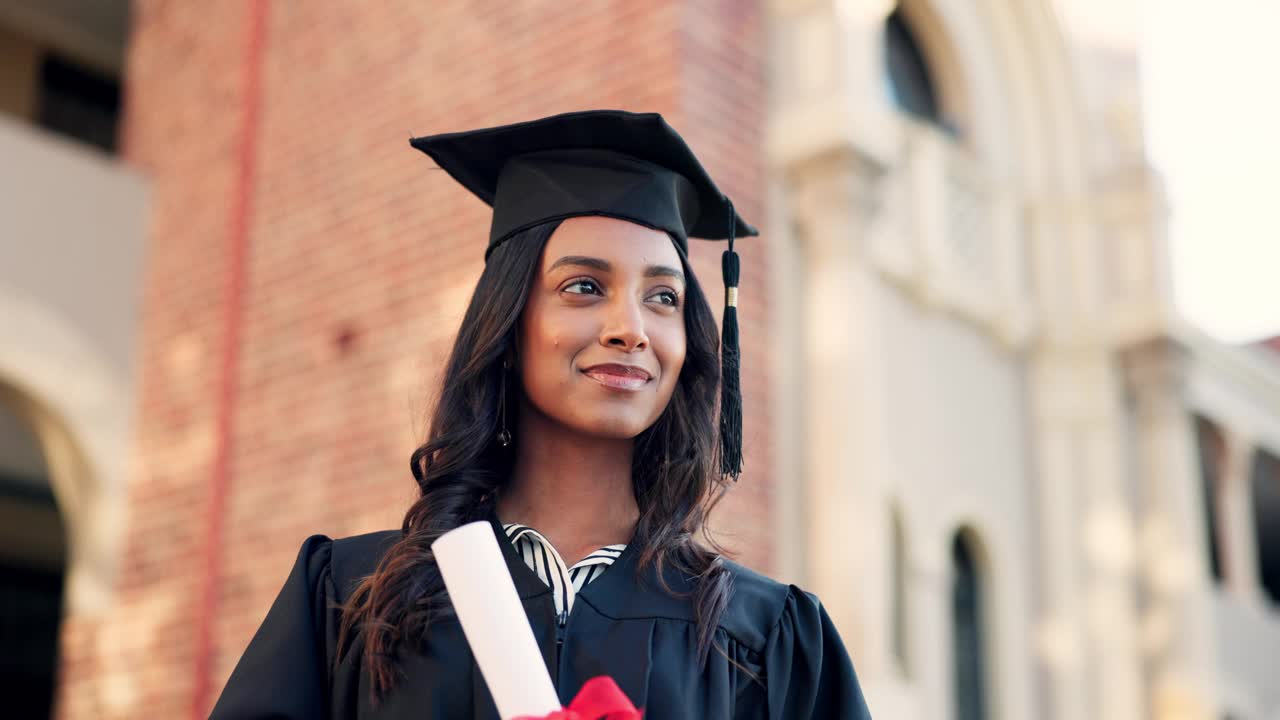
x: 1238, y: 388
x: 81, y: 410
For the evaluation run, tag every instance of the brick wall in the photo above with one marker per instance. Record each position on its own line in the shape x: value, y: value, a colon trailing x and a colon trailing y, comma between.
x: 360, y: 262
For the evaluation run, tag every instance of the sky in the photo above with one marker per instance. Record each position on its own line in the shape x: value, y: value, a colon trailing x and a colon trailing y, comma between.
x: 1212, y: 103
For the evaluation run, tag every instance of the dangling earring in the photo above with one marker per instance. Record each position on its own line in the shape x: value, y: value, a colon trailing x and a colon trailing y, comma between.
x: 504, y: 435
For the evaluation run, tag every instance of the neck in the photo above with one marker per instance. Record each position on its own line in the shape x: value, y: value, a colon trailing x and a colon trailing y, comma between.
x: 573, y: 488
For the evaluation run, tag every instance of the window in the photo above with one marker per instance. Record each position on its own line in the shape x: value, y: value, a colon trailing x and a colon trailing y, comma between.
x: 78, y: 102
x: 1212, y: 449
x: 910, y: 83
x: 968, y: 644
x: 898, y: 623
x: 1266, y: 521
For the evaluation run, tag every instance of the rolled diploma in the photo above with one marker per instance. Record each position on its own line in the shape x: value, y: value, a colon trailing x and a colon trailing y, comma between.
x: 485, y: 599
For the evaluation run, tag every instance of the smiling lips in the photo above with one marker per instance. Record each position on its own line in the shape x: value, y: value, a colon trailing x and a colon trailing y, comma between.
x: 619, y: 377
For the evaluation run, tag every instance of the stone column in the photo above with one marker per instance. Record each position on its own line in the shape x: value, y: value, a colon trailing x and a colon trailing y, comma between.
x: 1087, y: 636
x: 847, y: 530
x: 1236, y: 534
x: 1176, y: 622
x: 829, y: 137
x: 1060, y: 637
x: 1087, y: 640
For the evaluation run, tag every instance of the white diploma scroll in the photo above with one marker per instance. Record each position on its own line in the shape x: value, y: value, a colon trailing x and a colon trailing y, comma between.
x: 485, y: 598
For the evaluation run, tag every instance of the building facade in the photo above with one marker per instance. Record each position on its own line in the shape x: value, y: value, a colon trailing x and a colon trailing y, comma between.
x: 227, y: 286
x: 976, y: 270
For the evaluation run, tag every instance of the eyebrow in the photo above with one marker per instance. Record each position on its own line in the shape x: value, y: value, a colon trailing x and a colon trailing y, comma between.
x: 605, y: 266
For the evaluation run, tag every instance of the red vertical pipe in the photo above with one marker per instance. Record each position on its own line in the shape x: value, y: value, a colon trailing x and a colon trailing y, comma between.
x: 233, y: 303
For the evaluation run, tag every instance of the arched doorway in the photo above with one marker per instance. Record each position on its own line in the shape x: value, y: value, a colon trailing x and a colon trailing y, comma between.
x: 33, y: 552
x: 968, y: 644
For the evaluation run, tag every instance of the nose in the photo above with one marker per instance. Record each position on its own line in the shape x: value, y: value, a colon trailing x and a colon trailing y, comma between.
x: 624, y: 326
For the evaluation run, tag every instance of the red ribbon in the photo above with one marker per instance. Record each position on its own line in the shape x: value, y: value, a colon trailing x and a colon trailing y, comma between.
x: 599, y: 699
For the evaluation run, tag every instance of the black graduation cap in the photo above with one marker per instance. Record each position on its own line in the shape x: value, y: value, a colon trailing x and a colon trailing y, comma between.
x: 632, y: 166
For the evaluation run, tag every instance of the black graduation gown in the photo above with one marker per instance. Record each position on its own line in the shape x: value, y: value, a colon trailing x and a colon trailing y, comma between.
x: 630, y: 630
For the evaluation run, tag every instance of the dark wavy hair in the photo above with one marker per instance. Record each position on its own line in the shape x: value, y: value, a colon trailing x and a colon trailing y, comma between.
x: 461, y: 466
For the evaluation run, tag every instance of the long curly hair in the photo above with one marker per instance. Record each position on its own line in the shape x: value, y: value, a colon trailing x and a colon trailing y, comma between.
x: 461, y: 465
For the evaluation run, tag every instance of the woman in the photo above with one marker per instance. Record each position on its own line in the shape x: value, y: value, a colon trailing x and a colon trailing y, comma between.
x: 579, y: 417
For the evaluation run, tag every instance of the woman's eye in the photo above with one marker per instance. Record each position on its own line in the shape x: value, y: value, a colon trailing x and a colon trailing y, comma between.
x: 594, y: 288
x: 670, y: 297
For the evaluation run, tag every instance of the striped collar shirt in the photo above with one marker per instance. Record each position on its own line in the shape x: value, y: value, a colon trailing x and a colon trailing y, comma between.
x: 565, y: 582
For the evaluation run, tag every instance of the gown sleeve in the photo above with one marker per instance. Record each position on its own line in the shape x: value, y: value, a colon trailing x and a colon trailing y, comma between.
x: 808, y: 673
x: 283, y: 673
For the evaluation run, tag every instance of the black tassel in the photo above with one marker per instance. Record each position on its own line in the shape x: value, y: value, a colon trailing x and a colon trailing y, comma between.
x: 730, y: 384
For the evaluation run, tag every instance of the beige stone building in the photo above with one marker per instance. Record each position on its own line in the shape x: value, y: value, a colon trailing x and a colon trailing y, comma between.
x: 1020, y: 484
x: 976, y: 275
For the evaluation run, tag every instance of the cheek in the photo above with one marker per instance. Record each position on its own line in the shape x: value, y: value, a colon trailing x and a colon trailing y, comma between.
x: 551, y: 344
x: 671, y: 351
x: 541, y: 333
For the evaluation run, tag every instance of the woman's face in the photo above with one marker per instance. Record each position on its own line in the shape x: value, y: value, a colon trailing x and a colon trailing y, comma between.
x: 602, y: 336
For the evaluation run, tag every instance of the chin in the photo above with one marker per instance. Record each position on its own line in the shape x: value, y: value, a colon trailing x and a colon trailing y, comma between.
x: 613, y: 425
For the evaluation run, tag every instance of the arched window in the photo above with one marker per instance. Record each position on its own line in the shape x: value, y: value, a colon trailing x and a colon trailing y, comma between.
x: 1266, y: 521
x: 910, y: 84
x: 32, y: 565
x: 899, y: 620
x: 968, y: 644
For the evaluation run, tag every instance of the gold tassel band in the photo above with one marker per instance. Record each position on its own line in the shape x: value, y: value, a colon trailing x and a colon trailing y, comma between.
x: 731, y: 297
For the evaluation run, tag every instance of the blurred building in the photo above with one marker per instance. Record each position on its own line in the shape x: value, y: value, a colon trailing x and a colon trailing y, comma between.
x: 976, y: 428
x: 72, y: 232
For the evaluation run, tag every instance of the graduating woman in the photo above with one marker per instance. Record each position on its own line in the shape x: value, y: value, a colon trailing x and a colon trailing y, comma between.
x: 579, y: 417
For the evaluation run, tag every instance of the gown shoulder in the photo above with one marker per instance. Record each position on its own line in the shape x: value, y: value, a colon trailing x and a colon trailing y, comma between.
x: 800, y: 657
x: 356, y: 556
x: 755, y: 605
x: 283, y: 673
x: 285, y: 670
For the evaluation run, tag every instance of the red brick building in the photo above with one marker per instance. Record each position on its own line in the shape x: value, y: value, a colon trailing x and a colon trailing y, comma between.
x: 305, y: 271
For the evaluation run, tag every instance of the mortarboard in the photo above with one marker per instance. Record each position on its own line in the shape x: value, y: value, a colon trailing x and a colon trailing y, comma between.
x: 632, y: 166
